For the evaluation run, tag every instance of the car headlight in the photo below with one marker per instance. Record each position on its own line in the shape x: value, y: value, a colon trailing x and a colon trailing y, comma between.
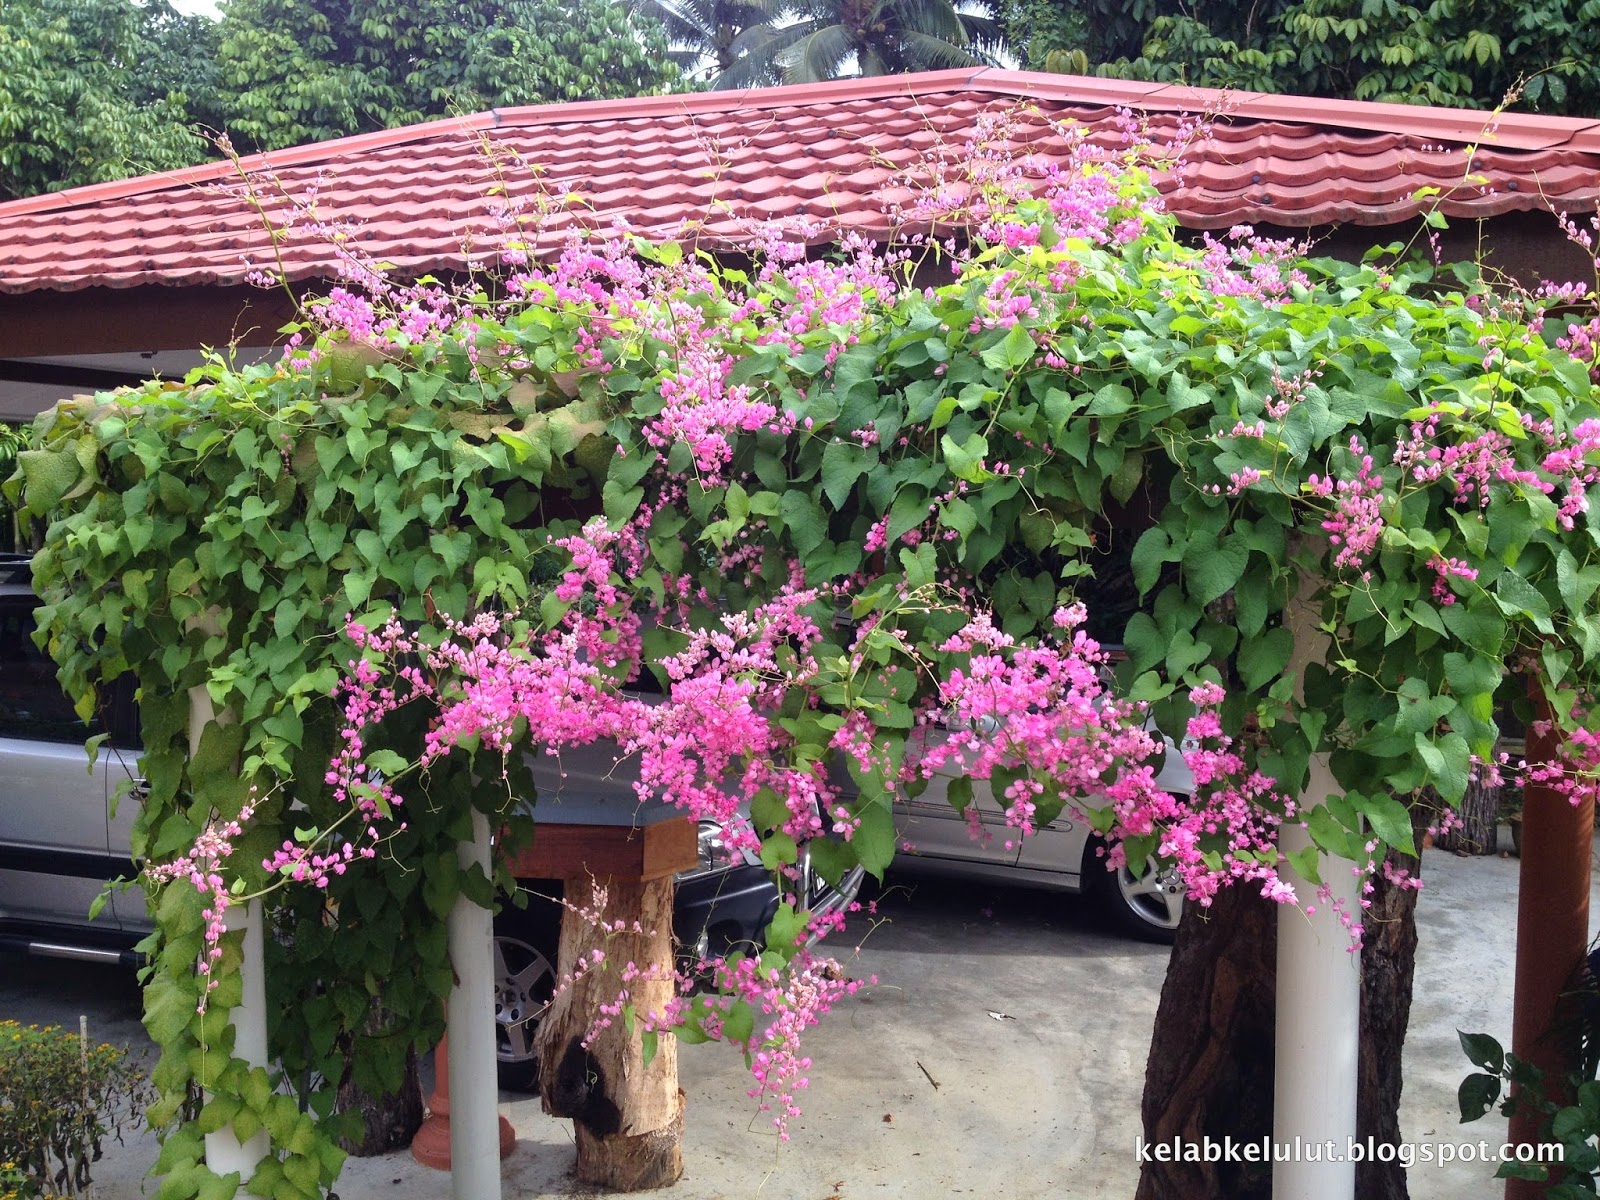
x: 716, y: 854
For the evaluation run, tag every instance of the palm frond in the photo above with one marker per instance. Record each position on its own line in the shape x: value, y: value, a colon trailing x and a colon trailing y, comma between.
x: 924, y: 52
x: 756, y: 52
x: 819, y: 55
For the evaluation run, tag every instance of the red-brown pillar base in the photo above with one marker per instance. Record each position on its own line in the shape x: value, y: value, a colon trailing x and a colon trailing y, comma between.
x: 431, y: 1146
x: 1552, y: 928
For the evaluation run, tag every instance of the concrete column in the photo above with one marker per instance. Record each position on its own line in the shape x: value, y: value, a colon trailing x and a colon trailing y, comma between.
x: 1318, y: 1029
x: 225, y: 1153
x: 469, y: 1024
x: 1318, y: 1038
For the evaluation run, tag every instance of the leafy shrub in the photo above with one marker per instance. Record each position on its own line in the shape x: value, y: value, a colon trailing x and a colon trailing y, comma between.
x: 61, y: 1097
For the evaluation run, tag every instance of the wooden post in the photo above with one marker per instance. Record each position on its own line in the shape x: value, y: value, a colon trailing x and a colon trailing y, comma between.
x: 1552, y: 926
x: 628, y: 1116
x: 1479, y: 831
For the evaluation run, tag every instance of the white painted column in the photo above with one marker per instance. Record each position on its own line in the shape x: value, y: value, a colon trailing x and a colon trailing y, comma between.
x: 469, y: 1024
x: 225, y: 1153
x: 1318, y: 1028
x: 1318, y: 1040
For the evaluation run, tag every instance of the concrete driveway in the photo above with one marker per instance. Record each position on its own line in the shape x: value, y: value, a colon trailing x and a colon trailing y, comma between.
x: 1030, y: 1015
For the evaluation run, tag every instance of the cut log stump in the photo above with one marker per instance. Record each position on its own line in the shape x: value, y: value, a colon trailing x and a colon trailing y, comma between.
x: 629, y: 1115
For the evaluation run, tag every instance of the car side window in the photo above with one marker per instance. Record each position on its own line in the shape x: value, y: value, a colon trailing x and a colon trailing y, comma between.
x: 32, y: 704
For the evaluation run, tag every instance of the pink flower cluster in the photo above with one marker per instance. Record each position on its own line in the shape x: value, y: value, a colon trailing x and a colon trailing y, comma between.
x: 1043, y: 707
x: 1446, y: 569
x: 202, y: 865
x: 1356, y: 523
x: 784, y: 1002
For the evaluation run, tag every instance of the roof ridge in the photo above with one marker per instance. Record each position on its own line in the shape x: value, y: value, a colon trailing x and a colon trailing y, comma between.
x: 219, y: 169
x: 1506, y: 130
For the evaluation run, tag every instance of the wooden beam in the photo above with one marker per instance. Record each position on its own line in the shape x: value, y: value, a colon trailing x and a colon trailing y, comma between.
x: 120, y: 320
x: 15, y: 370
x: 650, y: 852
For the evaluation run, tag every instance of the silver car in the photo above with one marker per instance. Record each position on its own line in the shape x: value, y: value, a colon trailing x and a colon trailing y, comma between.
x: 1066, y: 856
x: 60, y: 840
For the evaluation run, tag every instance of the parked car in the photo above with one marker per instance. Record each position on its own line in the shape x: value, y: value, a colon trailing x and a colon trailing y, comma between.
x: 1065, y: 856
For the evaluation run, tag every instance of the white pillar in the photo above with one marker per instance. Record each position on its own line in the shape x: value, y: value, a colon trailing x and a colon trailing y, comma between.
x: 1318, y: 1027
x: 469, y: 1024
x: 225, y: 1153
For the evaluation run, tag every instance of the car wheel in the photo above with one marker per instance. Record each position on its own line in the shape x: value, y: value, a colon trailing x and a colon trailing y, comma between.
x: 524, y: 981
x: 1147, y: 906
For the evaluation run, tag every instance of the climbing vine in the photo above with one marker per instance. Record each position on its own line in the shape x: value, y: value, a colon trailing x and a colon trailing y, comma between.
x: 846, y: 518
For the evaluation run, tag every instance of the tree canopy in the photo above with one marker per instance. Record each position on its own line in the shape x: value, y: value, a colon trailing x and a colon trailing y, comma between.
x: 751, y: 43
x: 92, y: 90
x: 1464, y: 53
x: 302, y: 70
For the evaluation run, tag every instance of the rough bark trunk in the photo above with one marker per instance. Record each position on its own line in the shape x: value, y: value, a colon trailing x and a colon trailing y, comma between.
x: 1210, y: 1066
x: 629, y: 1116
x: 1388, y: 961
x: 1211, y: 1057
x: 1479, y: 832
x: 388, y: 1122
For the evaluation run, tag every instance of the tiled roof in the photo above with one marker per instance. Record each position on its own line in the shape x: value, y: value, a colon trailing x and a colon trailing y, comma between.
x: 710, y: 163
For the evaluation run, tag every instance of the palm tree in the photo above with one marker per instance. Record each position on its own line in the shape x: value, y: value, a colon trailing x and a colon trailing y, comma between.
x: 814, y: 40
x: 704, y: 33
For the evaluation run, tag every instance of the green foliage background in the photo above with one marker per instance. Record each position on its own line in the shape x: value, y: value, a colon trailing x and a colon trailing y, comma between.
x: 293, y: 71
x: 92, y: 90
x: 1459, y: 53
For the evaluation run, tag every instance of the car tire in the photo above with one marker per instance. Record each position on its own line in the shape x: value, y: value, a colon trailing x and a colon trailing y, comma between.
x: 524, y: 980
x: 1148, y: 908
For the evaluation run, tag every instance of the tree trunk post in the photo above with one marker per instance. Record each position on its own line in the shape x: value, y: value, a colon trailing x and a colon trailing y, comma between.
x: 1552, y: 925
x: 1479, y: 831
x: 1388, y: 961
x: 469, y: 1023
x: 1209, y: 1072
x: 628, y: 1115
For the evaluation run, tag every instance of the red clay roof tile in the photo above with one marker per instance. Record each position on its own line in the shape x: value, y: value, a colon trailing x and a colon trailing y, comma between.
x: 711, y: 163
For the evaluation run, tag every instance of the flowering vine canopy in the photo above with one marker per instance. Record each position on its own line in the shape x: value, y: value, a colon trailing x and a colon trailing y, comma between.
x: 795, y: 530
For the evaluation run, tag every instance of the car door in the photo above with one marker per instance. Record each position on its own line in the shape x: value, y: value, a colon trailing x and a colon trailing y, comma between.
x: 1057, y: 848
x: 54, y: 851
x: 934, y: 833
